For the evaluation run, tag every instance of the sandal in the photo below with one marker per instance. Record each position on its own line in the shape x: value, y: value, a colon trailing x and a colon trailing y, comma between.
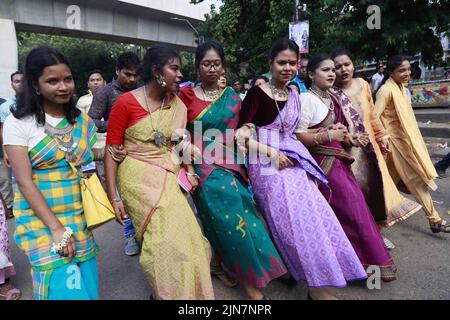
x: 9, y: 214
x: 8, y: 292
x: 442, y: 226
x: 219, y: 273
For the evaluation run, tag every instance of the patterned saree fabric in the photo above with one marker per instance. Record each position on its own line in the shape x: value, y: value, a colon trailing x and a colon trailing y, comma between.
x: 356, y: 220
x: 60, y: 187
x: 224, y: 201
x: 386, y: 203
x: 175, y: 256
x: 301, y: 222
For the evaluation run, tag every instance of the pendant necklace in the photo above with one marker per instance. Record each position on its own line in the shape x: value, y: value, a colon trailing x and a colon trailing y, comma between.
x: 64, y: 138
x: 158, y: 136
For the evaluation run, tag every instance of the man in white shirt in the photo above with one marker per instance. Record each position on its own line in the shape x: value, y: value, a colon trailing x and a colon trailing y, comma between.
x: 377, y: 78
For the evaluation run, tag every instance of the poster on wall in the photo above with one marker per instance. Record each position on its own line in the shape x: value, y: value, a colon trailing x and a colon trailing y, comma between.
x: 299, y: 33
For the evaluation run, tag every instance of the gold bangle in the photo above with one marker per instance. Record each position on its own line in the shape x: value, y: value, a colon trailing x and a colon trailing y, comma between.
x: 316, y: 138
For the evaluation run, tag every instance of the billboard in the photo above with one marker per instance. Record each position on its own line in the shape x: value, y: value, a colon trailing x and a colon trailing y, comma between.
x: 299, y: 33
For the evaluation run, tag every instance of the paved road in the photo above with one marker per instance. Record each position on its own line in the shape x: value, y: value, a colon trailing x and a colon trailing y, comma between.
x: 423, y: 260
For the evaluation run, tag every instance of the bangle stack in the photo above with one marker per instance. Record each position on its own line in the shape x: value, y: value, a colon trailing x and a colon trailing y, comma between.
x: 329, y: 136
x: 63, y: 244
x: 316, y: 141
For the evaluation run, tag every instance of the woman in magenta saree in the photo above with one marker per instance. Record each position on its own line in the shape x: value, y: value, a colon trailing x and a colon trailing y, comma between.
x: 323, y: 128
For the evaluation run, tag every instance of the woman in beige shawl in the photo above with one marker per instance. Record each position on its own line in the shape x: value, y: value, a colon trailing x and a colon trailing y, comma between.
x: 409, y: 162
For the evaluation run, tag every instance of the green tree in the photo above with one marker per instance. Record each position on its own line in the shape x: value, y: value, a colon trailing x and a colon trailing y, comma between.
x: 84, y: 55
x: 247, y: 28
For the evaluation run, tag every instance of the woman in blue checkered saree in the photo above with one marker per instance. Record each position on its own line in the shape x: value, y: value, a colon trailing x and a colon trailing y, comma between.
x: 45, y: 133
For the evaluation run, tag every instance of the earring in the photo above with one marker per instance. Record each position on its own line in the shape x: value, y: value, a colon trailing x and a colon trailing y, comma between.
x: 161, y: 81
x: 38, y: 92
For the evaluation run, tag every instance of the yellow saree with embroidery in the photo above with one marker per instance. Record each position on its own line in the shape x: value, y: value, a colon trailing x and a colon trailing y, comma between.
x: 175, y: 255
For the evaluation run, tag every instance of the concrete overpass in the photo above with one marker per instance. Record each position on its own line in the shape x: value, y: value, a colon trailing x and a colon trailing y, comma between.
x: 143, y: 22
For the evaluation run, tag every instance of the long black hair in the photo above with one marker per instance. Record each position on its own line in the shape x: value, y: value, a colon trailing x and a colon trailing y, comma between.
x: 314, y: 64
x: 29, y: 103
x: 393, y: 63
x: 156, y: 57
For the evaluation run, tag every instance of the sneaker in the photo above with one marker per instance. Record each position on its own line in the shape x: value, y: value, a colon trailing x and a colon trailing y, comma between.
x: 388, y: 244
x: 131, y: 247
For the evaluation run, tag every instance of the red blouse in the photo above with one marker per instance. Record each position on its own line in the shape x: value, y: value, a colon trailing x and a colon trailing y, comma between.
x: 126, y: 112
x: 193, y: 104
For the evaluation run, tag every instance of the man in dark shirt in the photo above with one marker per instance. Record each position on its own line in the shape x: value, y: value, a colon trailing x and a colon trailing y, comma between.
x: 102, y: 103
x: 104, y: 99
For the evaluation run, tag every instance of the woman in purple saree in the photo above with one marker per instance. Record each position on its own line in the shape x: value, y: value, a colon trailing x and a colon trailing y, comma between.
x: 304, y: 228
x: 323, y: 128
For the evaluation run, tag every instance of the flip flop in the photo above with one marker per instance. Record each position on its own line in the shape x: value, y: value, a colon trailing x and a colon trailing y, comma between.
x: 226, y: 279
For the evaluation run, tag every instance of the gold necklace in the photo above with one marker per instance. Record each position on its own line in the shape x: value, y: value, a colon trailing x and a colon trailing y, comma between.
x: 324, y: 96
x: 280, y: 93
x: 210, y: 94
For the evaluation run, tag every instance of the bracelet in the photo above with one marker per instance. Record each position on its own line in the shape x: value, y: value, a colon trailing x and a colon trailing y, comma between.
x: 63, y: 244
x: 315, y: 138
x: 116, y: 200
x: 192, y: 174
x: 329, y: 136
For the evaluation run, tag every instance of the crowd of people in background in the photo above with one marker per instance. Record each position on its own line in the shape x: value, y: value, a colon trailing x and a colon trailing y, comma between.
x: 318, y: 160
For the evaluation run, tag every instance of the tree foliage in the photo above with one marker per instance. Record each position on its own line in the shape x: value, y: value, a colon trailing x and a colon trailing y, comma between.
x: 84, y: 55
x: 247, y: 28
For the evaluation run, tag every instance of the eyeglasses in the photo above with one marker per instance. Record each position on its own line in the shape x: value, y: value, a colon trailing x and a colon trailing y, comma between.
x: 211, y: 64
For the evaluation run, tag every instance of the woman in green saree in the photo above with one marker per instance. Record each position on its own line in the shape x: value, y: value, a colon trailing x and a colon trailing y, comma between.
x: 223, y: 199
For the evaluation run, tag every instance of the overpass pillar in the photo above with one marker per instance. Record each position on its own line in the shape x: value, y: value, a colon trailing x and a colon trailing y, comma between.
x: 9, y: 56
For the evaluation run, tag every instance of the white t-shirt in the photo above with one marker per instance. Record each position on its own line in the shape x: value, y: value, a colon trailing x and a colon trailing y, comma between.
x: 313, y: 111
x: 26, y: 131
x: 378, y: 78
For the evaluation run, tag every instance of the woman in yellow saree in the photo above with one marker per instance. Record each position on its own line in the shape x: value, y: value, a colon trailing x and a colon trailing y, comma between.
x: 409, y: 162
x: 174, y: 255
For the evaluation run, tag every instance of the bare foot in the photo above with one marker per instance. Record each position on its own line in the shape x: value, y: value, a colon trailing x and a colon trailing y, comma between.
x: 320, y: 294
x: 253, y: 293
x: 218, y: 272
